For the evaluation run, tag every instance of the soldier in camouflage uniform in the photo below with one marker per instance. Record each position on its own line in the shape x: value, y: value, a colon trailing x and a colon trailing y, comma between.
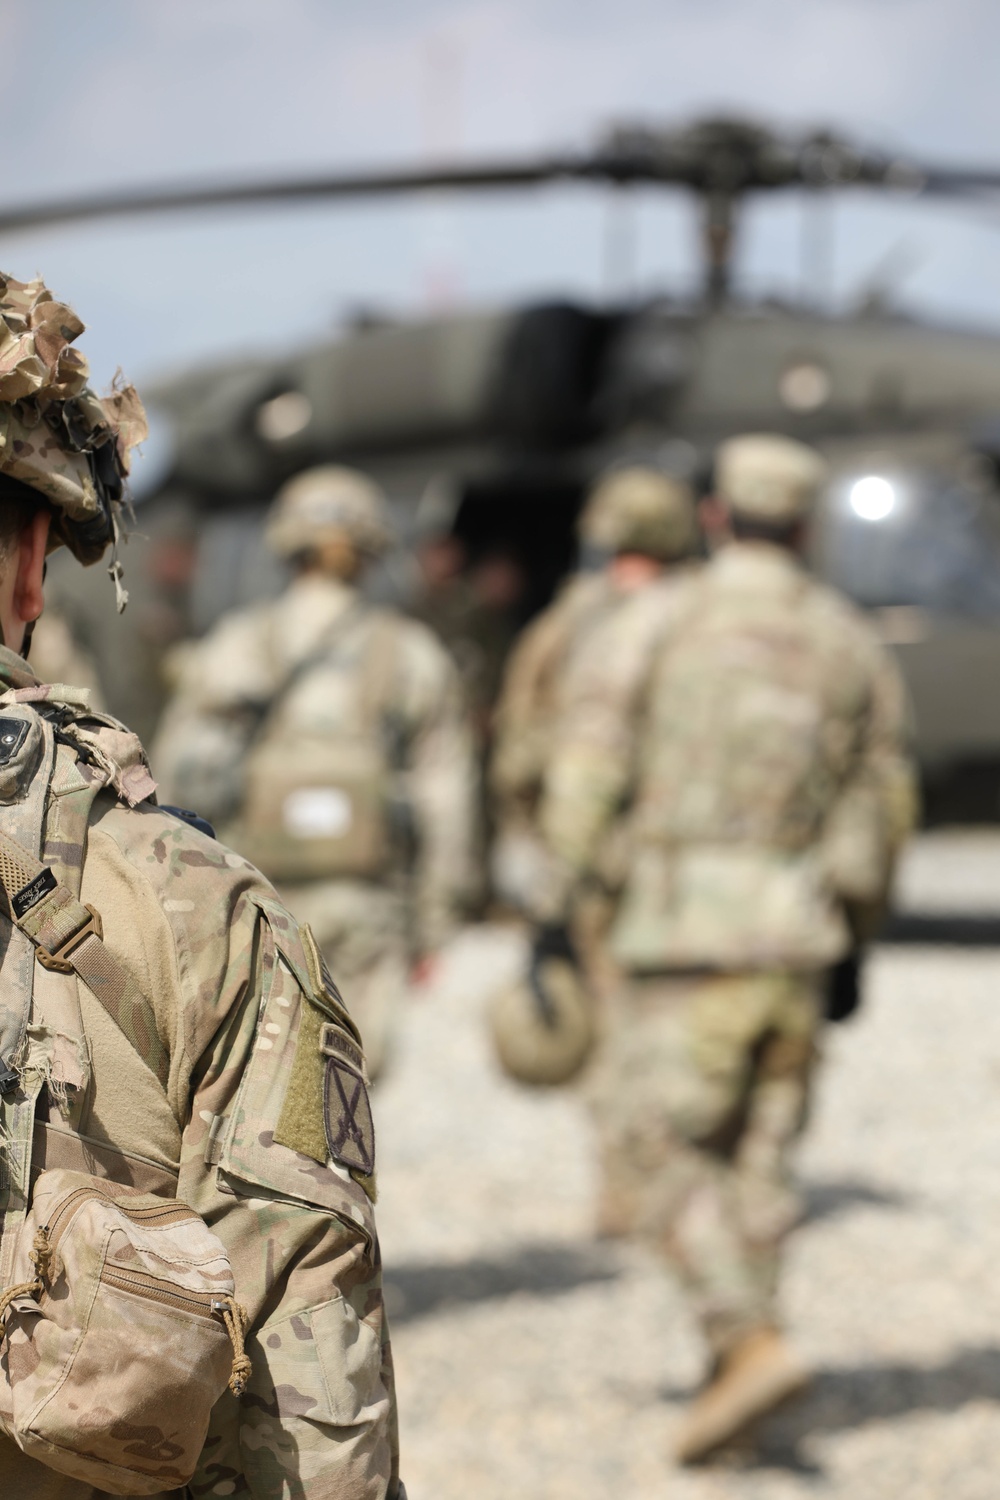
x: 642, y: 523
x: 179, y: 1035
x: 754, y: 762
x: 327, y: 740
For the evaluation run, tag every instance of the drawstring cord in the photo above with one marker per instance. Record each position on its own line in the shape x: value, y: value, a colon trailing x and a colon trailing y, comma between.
x: 232, y: 1313
x: 41, y: 1258
x: 235, y: 1317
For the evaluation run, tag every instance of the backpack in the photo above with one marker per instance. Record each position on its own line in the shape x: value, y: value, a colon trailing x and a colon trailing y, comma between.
x: 120, y: 1323
x: 316, y: 799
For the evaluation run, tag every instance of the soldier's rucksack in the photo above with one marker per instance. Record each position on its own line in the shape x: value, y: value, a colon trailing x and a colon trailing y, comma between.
x: 119, y: 1321
x: 317, y: 782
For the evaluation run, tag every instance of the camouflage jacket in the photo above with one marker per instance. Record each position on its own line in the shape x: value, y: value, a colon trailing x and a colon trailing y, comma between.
x: 224, y: 1106
x: 229, y: 681
x: 529, y: 701
x: 749, y: 731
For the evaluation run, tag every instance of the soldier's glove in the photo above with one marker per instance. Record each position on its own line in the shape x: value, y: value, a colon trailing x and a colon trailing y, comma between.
x: 843, y: 987
x: 550, y: 940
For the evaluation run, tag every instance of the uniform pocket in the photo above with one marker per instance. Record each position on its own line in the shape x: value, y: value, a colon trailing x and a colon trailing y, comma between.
x: 323, y: 1364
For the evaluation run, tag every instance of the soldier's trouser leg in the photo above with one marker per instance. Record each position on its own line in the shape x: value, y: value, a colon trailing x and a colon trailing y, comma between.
x: 701, y: 1094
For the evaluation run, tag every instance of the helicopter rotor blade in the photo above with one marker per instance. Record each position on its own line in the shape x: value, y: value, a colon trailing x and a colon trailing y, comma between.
x: 717, y: 159
x: 140, y: 201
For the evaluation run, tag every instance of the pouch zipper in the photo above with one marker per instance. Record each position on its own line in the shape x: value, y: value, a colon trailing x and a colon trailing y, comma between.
x: 169, y: 1212
x: 151, y: 1287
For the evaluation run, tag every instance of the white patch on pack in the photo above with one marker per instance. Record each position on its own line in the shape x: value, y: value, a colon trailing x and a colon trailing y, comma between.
x: 317, y: 812
x: 178, y: 906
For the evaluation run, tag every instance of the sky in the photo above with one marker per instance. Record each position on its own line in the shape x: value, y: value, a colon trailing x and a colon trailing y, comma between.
x: 107, y: 93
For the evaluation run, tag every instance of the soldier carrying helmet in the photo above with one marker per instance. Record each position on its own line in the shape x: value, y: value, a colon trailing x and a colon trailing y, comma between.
x: 744, y: 753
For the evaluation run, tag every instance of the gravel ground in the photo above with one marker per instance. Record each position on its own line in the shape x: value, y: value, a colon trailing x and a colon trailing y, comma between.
x: 534, y: 1363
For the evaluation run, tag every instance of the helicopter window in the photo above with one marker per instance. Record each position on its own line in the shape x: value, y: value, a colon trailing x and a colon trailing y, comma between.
x: 926, y: 540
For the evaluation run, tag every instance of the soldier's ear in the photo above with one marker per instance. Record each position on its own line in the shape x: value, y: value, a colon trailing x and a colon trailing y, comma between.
x: 714, y: 518
x: 29, y: 560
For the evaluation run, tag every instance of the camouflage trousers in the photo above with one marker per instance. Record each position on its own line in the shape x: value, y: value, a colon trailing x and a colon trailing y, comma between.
x: 361, y: 931
x: 701, y: 1091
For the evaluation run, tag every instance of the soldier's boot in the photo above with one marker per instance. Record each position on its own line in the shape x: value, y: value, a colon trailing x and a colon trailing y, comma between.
x: 754, y: 1378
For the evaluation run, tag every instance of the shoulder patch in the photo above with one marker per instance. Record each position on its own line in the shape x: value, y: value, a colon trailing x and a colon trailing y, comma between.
x: 325, y: 1113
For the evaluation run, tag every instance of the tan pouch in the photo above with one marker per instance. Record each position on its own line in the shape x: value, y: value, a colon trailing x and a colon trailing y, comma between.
x: 314, y: 808
x: 121, y: 1335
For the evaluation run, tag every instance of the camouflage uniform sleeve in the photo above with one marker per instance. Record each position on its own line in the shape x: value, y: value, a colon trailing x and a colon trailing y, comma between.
x: 440, y: 781
x: 521, y: 738
x: 878, y: 806
x: 592, y: 758
x: 260, y: 1163
x: 889, y: 754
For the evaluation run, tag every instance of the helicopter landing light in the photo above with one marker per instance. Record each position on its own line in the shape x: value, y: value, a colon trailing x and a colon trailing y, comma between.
x: 804, y: 387
x: 872, y: 498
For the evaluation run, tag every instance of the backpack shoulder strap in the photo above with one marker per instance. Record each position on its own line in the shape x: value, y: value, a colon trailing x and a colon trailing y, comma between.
x: 319, y: 654
x: 379, y: 669
x: 67, y: 936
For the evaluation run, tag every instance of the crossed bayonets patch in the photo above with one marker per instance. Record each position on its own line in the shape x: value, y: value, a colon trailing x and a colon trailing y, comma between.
x: 347, y: 1115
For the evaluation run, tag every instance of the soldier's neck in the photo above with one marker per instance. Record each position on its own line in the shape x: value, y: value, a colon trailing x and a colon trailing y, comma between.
x: 630, y: 571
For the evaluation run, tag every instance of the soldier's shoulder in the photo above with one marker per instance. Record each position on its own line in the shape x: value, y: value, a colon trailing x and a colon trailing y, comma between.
x: 186, y: 911
x: 413, y: 641
x: 659, y: 606
x: 231, y: 660
x: 236, y: 625
x: 187, y: 869
x: 581, y: 591
x: 840, y: 615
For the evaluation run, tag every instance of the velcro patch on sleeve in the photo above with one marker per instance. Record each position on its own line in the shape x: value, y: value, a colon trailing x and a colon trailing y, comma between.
x: 301, y: 1126
x: 326, y: 1112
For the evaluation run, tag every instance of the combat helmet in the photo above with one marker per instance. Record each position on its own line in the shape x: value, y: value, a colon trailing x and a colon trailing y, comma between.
x: 769, y: 478
x: 328, y: 501
x: 57, y: 437
x: 639, y: 509
x: 544, y: 1024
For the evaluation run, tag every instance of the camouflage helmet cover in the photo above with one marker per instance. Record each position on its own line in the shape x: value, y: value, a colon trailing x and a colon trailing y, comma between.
x: 766, y: 477
x: 328, y: 501
x: 56, y: 436
x: 639, y: 509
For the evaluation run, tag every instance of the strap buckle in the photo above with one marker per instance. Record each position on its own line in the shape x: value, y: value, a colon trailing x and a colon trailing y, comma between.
x: 58, y: 960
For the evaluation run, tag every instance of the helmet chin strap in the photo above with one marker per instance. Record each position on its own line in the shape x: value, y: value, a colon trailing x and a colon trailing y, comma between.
x: 29, y: 629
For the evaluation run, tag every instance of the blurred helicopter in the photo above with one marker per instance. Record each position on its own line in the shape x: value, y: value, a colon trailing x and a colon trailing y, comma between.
x: 490, y: 424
